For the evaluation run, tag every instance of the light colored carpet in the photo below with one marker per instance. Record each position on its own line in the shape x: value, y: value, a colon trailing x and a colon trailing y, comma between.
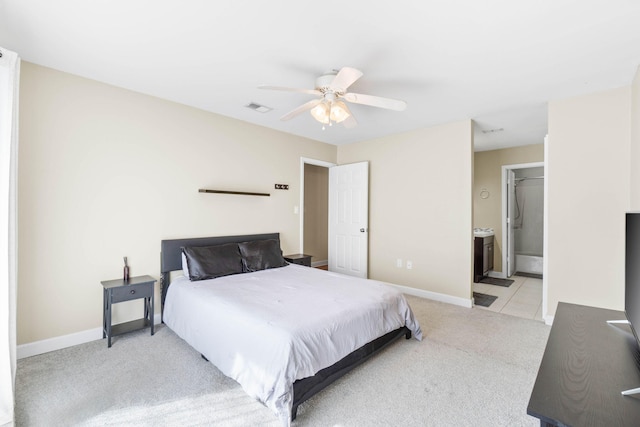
x: 474, y: 367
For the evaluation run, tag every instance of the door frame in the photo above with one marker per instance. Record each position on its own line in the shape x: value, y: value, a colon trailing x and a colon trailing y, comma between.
x: 505, y: 226
x: 545, y: 249
x: 307, y: 161
x: 511, y: 198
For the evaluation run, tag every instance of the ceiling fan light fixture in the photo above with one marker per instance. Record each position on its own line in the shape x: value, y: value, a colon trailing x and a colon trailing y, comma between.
x: 339, y: 112
x: 327, y: 112
x: 321, y: 113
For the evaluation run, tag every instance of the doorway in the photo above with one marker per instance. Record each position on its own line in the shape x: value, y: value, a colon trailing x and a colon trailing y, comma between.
x: 523, y: 219
x: 314, y: 210
x: 347, y: 213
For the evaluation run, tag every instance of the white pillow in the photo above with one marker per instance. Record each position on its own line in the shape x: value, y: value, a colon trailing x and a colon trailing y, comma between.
x: 185, y: 266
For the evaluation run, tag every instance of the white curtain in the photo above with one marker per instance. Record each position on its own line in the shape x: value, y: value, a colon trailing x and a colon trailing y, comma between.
x: 9, y: 82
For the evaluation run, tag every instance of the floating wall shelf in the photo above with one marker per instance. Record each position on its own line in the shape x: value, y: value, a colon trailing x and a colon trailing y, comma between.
x: 243, y: 193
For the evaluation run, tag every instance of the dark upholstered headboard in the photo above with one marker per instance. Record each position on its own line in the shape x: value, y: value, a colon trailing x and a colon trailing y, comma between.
x: 171, y: 252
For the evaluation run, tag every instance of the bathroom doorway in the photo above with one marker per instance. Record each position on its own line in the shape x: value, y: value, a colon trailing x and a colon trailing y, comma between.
x: 523, y: 219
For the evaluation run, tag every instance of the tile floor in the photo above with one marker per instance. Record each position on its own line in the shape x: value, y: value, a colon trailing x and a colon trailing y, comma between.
x: 522, y: 299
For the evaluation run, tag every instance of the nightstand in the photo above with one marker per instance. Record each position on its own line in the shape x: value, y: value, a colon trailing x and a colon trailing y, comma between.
x: 301, y: 259
x: 119, y: 290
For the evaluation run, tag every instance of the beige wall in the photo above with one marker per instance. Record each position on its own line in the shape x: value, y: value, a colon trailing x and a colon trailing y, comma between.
x: 588, y: 173
x: 316, y: 212
x: 487, y: 174
x: 635, y: 143
x: 420, y: 206
x: 106, y: 173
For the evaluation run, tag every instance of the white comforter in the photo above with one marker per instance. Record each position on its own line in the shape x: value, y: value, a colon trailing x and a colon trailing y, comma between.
x: 270, y: 328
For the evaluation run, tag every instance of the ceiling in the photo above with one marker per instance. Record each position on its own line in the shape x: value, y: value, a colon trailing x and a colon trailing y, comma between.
x: 497, y: 62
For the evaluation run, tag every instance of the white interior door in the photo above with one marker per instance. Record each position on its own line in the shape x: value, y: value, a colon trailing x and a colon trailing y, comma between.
x: 349, y: 219
x: 511, y: 199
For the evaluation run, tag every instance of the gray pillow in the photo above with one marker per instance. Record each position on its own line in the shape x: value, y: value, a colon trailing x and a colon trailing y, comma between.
x: 261, y: 255
x: 209, y: 262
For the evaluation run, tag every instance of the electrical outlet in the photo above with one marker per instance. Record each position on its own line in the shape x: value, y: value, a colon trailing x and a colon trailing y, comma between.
x: 409, y: 265
x: 399, y: 263
x: 282, y: 186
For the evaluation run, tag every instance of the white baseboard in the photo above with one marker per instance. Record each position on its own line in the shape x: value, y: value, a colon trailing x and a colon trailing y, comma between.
x: 319, y: 263
x: 51, y: 344
x: 435, y: 296
x: 57, y: 343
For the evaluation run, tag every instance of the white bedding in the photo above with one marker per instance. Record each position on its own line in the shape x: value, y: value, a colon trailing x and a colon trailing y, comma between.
x: 269, y: 328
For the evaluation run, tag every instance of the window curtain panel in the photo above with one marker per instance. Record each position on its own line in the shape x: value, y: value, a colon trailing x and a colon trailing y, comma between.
x: 9, y: 83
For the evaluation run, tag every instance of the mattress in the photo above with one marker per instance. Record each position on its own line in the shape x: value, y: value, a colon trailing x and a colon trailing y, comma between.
x: 269, y: 328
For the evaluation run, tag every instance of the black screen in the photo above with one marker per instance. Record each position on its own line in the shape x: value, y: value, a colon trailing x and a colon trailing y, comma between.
x: 632, y: 272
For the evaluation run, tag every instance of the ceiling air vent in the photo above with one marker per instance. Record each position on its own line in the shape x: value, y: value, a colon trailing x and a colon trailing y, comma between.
x: 493, y: 130
x: 259, y: 108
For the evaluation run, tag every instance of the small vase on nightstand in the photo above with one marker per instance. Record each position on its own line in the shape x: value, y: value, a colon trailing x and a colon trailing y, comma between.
x: 126, y: 270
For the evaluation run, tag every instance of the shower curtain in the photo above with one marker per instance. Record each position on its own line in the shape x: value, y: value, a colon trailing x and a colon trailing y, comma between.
x: 529, y: 218
x: 9, y: 82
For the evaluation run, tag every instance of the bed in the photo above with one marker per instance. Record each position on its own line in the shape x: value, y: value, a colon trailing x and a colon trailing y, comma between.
x: 282, y: 331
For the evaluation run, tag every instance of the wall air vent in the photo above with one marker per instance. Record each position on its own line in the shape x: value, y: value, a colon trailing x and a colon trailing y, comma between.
x: 259, y: 108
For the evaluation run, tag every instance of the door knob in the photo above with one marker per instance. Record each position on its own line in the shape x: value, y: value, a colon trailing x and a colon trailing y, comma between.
x: 362, y: 230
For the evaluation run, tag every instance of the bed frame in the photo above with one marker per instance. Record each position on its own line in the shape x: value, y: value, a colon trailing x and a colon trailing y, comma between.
x: 171, y: 260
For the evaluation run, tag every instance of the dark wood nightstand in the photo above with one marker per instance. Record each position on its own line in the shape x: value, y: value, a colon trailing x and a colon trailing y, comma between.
x: 301, y: 259
x: 119, y: 290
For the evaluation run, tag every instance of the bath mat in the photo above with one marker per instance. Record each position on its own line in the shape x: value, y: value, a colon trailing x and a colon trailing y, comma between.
x: 495, y: 281
x: 533, y: 275
x: 483, y: 299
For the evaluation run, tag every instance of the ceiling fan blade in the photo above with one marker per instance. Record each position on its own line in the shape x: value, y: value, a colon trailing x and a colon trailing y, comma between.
x: 290, y: 89
x: 376, y: 101
x: 350, y: 122
x: 345, y: 78
x: 301, y: 109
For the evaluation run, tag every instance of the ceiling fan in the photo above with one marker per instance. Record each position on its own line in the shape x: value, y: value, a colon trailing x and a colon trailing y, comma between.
x: 331, y: 89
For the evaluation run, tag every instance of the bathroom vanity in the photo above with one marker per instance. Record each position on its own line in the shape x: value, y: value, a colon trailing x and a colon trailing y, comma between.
x: 482, y: 254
